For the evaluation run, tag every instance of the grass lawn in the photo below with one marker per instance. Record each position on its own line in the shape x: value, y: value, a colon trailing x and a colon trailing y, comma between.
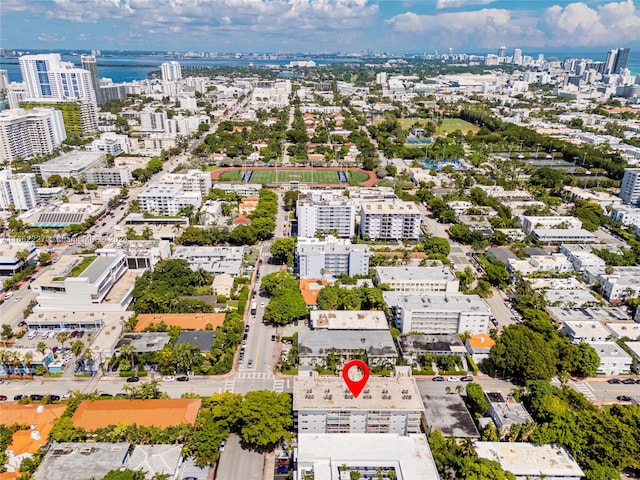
x: 302, y: 176
x: 452, y: 124
x: 211, y: 168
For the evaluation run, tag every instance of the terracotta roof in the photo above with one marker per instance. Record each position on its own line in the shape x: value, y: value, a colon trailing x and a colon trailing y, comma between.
x: 94, y: 414
x: 481, y: 340
x: 9, y: 475
x: 241, y: 220
x: 186, y: 321
x: 39, y: 416
x: 310, y: 290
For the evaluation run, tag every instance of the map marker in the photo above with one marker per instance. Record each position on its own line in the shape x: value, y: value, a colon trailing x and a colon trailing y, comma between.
x: 355, y: 386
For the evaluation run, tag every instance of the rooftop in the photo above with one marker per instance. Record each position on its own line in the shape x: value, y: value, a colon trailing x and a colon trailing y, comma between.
x: 445, y: 412
x: 509, y: 411
x: 154, y: 459
x: 376, y: 343
x: 529, y: 459
x: 409, y: 455
x: 450, y: 302
x: 186, y: 321
x: 602, y: 314
x: 624, y: 329
x: 481, y: 340
x: 348, y: 319
x: 608, y: 351
x: 69, y: 161
x: 397, y: 207
x: 80, y: 461
x: 144, y: 342
x: 201, y: 339
x: 430, y: 343
x: 94, y: 414
x: 380, y: 393
x: 395, y: 274
x: 40, y: 419
x: 581, y: 329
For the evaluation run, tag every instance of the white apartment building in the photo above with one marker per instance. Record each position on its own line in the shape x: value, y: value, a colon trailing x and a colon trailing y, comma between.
x: 613, y: 359
x: 167, y: 199
x: 47, y: 77
x: 582, y: 260
x: 432, y: 313
x: 588, y: 332
x: 348, y: 320
x: 109, y: 176
x: 171, y: 71
x: 72, y: 164
x: 111, y: 143
x: 191, y: 181
x: 331, y: 256
x: 315, y: 346
x: 556, y: 262
x: 418, y: 279
x: 67, y: 286
x: 626, y: 214
x: 622, y: 283
x: 242, y: 189
x: 386, y: 405
x: 562, y: 235
x: 9, y: 263
x: 19, y: 190
x: 630, y: 187
x: 390, y: 221
x: 530, y: 223
x: 326, y: 213
x: 152, y: 121
x: 25, y: 133
x: 505, y: 413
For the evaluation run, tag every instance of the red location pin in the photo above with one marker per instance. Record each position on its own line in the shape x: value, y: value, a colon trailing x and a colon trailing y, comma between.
x: 355, y: 386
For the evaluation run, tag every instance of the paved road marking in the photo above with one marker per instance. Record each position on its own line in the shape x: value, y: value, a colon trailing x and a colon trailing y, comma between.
x: 254, y: 376
x: 278, y: 386
x: 229, y: 385
x: 584, y: 389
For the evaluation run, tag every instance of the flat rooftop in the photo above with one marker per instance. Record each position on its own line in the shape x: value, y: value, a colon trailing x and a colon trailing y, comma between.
x: 509, y: 411
x: 608, y: 351
x: 570, y: 283
x: 81, y: 461
x: 416, y: 274
x: 528, y: 459
x: 94, y: 414
x: 74, y: 160
x: 377, y: 343
x: 582, y: 329
x: 430, y: 343
x: 446, y: 412
x: 409, y: 455
x: 348, y: 319
x: 331, y: 393
x: 144, y: 342
x: 626, y: 329
x: 601, y: 314
x: 443, y: 302
x: 397, y: 207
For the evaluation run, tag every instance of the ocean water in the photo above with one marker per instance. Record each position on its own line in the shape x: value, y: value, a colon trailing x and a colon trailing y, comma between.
x: 125, y: 68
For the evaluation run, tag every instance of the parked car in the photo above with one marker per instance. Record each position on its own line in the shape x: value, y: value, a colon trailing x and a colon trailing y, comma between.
x: 54, y: 398
x: 133, y: 379
x: 438, y: 379
x: 250, y: 364
x: 246, y: 329
x: 467, y: 378
x: 18, y: 397
x: 183, y: 378
x: 3, y: 398
x: 614, y: 380
x: 168, y: 379
x: 223, y: 444
x: 453, y: 379
x: 629, y: 381
x: 624, y: 398
x: 18, y: 298
x: 36, y: 397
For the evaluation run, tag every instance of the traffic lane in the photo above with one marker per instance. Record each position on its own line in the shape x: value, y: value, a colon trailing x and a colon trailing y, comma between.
x: 237, y: 462
x: 501, y: 312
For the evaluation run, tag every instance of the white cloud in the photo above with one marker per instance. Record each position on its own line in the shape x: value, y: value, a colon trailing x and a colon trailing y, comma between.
x: 440, y: 4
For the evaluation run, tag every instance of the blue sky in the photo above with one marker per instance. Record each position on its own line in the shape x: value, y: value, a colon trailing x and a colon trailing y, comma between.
x: 319, y: 25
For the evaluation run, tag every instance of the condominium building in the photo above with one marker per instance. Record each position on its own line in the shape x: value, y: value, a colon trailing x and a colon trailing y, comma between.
x: 530, y: 223
x: 242, y: 189
x: 171, y: 71
x: 621, y: 283
x: 109, y: 176
x: 111, y: 143
x: 390, y: 221
x: 325, y: 213
x: 438, y: 312
x: 215, y: 260
x: 191, y: 181
x: 18, y: 190
x: 386, y: 405
x: 72, y: 164
x: 25, y: 133
x: 167, y: 199
x: 47, y: 76
x: 418, y: 279
x: 9, y: 261
x: 152, y: 121
x: 89, y: 63
x: 331, y: 256
x: 630, y: 187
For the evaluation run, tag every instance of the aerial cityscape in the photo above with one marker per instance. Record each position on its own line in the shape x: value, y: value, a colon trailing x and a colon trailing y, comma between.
x: 319, y: 240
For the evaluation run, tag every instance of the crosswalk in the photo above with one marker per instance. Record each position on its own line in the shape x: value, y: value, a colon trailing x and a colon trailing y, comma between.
x: 278, y: 385
x: 254, y: 376
x: 229, y: 385
x: 584, y: 389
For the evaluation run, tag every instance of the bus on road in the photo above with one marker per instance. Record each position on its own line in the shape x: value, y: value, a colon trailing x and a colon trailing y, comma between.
x: 254, y: 307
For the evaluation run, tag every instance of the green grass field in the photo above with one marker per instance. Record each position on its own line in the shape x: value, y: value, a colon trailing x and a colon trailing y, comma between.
x: 452, y: 124
x: 302, y: 176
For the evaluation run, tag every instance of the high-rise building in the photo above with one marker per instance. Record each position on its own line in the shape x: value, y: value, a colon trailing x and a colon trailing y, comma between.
x: 4, y: 80
x: 327, y: 213
x: 16, y: 94
x: 390, y: 220
x: 19, y: 190
x: 89, y: 64
x: 502, y: 52
x: 517, y: 56
x: 48, y: 77
x: 151, y: 121
x: 630, y: 188
x: 171, y: 71
x: 610, y: 62
x: 621, y: 60
x: 26, y: 133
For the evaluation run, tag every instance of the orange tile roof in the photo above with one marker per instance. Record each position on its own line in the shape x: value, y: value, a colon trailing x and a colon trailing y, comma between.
x: 9, y: 475
x: 241, y: 220
x: 309, y: 293
x: 41, y: 417
x: 481, y: 340
x: 94, y: 414
x: 186, y: 321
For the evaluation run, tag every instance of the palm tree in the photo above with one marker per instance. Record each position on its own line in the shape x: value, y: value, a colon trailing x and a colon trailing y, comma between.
x: 62, y: 337
x: 128, y: 351
x: 76, y: 347
x: 26, y: 362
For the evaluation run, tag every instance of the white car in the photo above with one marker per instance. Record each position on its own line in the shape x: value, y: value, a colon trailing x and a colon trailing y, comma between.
x: 18, y: 298
x: 8, y: 296
x: 262, y: 305
x: 453, y: 379
x: 168, y: 379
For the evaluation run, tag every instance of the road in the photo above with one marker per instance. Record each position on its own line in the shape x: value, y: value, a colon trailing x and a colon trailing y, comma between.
x: 236, y: 462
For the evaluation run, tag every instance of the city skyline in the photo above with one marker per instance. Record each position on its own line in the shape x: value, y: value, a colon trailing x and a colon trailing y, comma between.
x: 319, y: 25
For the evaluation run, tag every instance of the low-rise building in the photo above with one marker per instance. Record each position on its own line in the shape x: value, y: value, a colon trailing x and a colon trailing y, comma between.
x: 186, y: 321
x: 587, y: 314
x: 215, y: 260
x: 241, y: 189
x: 414, y: 346
x: 331, y: 256
x: 71, y: 165
x: 14, y: 256
x: 438, y: 312
x: 143, y: 342
x: 555, y: 262
x: 613, y: 359
x: 386, y: 405
x: 167, y: 199
x: 558, y: 235
x: 222, y: 284
x: 156, y: 460
x: 314, y: 347
x: 80, y: 461
x: 530, y: 461
x: 106, y: 177
x: 390, y: 221
x: 581, y: 260
x: 506, y: 412
x: 348, y: 320
x: 479, y: 346
x: 333, y: 456
x: 627, y: 214
x: 570, y: 298
x: 418, y: 279
x: 588, y: 332
x: 621, y: 283
x: 531, y: 223
x: 144, y: 254
x: 624, y: 329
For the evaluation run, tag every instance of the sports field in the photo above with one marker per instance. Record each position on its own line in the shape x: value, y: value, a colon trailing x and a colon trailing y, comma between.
x: 326, y: 177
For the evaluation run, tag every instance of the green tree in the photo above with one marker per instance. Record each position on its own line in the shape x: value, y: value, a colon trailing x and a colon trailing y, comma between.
x: 284, y: 249
x: 76, y: 347
x: 266, y: 418
x: 436, y: 246
x: 44, y: 258
x: 290, y: 199
x: 476, y: 401
x: 587, y: 362
x: 124, y: 475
